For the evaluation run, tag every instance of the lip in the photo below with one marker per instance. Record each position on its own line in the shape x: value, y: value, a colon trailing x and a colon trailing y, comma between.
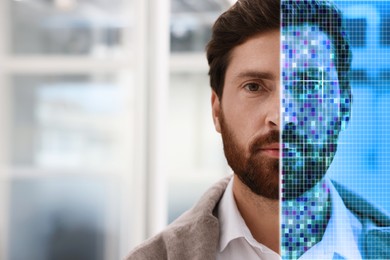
x: 271, y: 150
x: 273, y: 146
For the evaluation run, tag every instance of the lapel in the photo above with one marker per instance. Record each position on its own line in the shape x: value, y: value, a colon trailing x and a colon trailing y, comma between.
x: 195, y: 235
x: 376, y: 242
x: 375, y: 237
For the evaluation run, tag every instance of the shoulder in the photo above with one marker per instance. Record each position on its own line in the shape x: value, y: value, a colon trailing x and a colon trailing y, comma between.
x: 375, y: 238
x: 195, y: 233
x: 362, y: 208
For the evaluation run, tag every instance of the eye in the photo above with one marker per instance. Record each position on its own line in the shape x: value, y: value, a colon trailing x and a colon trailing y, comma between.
x: 306, y: 86
x: 253, y: 87
x: 310, y: 85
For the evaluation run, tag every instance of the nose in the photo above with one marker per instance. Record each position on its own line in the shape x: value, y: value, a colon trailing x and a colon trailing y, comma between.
x: 289, y: 129
x: 289, y: 115
x: 273, y: 114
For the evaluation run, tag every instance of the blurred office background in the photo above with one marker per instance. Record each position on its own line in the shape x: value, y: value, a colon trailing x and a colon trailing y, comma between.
x: 363, y: 157
x: 106, y: 131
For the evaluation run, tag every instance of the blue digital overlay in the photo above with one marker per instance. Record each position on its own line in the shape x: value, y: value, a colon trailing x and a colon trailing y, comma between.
x: 335, y: 116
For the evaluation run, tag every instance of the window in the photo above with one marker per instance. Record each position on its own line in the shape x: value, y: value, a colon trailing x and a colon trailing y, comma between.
x: 73, y: 177
x: 196, y: 159
x: 356, y: 30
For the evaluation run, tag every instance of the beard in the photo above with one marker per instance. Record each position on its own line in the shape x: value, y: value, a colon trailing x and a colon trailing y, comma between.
x: 304, y: 163
x: 257, y: 171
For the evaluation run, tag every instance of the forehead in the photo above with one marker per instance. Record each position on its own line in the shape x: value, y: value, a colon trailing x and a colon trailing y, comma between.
x: 260, y: 54
x: 306, y: 46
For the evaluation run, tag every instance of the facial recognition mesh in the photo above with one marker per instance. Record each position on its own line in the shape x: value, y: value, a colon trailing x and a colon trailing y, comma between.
x: 335, y: 120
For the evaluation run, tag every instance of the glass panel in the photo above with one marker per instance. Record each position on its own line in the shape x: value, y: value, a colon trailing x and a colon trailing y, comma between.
x: 196, y: 157
x: 71, y: 156
x: 362, y: 155
x: 70, y: 27
x: 64, y: 217
x: 356, y: 31
x: 195, y: 153
x: 191, y: 23
x: 71, y: 121
x: 385, y: 27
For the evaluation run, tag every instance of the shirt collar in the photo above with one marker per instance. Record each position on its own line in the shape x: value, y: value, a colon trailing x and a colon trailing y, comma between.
x: 232, y: 225
x: 341, y: 234
x: 340, y: 237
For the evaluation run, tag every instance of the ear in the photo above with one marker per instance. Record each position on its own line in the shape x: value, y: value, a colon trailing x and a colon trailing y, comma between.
x: 216, y: 107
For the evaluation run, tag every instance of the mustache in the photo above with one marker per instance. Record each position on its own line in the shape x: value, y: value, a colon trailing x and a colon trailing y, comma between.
x: 271, y: 137
x: 291, y: 136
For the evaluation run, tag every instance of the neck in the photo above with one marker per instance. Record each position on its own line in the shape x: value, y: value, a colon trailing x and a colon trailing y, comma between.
x: 304, y: 220
x: 260, y: 214
x: 262, y: 217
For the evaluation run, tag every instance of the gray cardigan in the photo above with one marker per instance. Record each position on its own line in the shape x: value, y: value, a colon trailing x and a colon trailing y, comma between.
x: 195, y: 234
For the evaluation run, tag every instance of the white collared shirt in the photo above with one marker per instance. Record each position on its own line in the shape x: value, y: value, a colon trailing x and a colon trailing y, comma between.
x: 236, y: 241
x: 340, y: 240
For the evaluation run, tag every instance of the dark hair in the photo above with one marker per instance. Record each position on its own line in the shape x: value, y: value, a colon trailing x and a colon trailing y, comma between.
x: 247, y: 18
x: 243, y: 20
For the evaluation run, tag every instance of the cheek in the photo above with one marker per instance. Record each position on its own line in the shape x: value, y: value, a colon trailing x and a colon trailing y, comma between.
x: 245, y: 125
x: 243, y: 120
x: 317, y: 118
x: 322, y: 119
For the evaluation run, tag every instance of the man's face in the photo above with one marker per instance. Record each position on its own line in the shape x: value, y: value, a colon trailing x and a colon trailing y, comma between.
x: 248, y: 115
x: 310, y: 108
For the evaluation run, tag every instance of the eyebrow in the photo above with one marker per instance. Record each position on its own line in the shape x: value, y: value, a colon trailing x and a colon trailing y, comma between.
x: 255, y: 74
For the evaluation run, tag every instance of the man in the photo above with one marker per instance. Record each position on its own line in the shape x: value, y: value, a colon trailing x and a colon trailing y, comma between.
x: 254, y: 103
